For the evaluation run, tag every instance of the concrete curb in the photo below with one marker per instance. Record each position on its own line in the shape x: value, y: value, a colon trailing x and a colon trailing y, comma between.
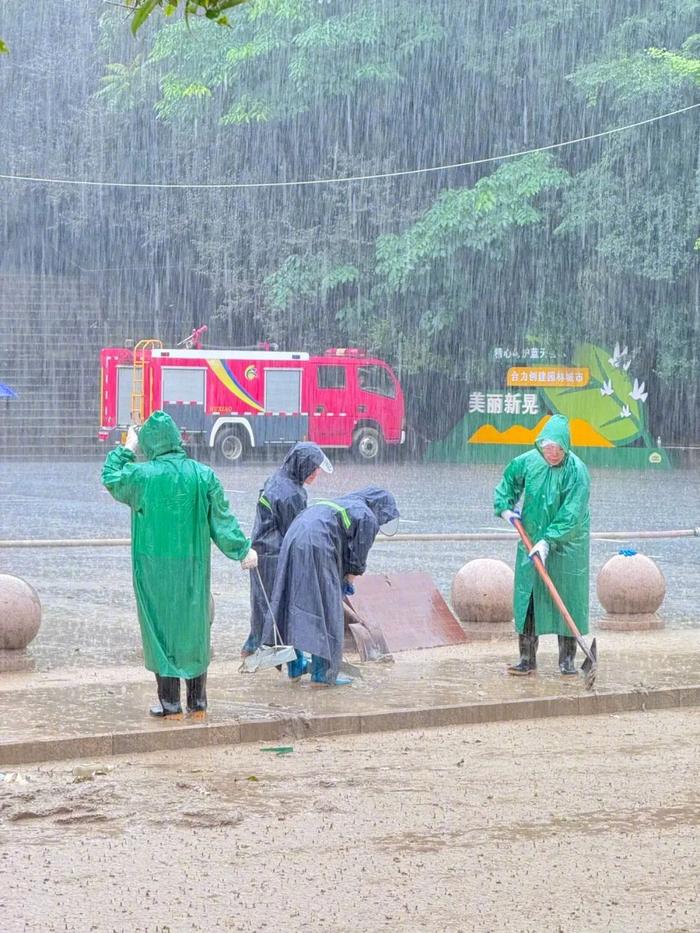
x: 177, y: 736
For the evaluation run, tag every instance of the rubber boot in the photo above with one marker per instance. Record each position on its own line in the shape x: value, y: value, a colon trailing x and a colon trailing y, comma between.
x: 320, y: 670
x: 296, y: 669
x: 168, y: 706
x: 528, y: 656
x: 197, y: 697
x: 567, y: 655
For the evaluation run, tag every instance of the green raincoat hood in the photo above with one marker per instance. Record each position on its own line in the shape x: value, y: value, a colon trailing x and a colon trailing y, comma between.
x: 557, y: 430
x: 160, y: 435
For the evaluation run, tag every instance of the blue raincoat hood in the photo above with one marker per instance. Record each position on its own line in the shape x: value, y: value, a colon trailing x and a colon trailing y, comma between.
x: 302, y: 460
x: 379, y: 501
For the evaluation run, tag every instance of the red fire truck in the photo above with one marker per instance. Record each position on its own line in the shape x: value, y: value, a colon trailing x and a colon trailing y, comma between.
x: 234, y: 401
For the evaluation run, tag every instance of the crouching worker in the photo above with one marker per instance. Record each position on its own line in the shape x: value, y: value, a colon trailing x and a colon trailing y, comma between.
x: 325, y: 548
x: 554, y: 485
x: 281, y: 499
x: 177, y: 506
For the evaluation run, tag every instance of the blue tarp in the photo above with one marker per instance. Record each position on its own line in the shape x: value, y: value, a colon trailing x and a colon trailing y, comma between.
x: 6, y: 391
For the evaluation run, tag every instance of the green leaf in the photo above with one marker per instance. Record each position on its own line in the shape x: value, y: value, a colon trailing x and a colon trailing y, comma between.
x: 196, y: 90
x: 603, y: 412
x: 247, y: 110
x: 143, y: 11
x: 683, y: 65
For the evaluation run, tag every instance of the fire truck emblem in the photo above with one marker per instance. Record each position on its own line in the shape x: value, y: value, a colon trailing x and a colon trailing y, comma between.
x: 223, y: 373
x: 251, y: 372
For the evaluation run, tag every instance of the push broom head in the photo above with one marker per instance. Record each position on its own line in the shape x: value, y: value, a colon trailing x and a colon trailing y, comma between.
x: 267, y: 656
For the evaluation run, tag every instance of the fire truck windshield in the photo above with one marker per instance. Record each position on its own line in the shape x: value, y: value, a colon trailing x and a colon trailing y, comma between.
x: 376, y: 379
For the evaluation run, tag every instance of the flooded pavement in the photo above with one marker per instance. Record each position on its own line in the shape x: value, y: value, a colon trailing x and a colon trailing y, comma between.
x: 557, y: 825
x: 74, y: 703
x: 585, y: 823
x: 89, y: 614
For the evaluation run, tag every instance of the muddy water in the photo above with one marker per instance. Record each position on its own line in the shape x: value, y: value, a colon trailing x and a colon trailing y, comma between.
x: 89, y: 615
x: 531, y: 826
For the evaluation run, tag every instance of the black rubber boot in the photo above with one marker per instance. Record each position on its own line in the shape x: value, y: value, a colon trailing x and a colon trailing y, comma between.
x: 528, y: 656
x: 567, y: 655
x: 197, y: 696
x: 168, y: 698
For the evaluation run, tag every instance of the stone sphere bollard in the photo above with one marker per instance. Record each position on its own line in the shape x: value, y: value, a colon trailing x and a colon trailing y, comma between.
x: 630, y: 588
x: 20, y: 618
x: 482, y: 598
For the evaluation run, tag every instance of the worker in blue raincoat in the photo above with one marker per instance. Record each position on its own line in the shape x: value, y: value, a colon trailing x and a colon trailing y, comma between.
x: 554, y: 486
x: 281, y: 499
x: 178, y: 507
x: 325, y: 548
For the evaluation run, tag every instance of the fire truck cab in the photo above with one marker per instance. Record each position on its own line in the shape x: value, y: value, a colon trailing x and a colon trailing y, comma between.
x: 234, y: 401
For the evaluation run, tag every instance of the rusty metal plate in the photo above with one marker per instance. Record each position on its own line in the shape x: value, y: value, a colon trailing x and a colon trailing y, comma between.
x: 407, y: 608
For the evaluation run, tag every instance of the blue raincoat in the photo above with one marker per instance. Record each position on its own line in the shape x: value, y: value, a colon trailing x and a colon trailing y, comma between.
x: 555, y: 509
x: 281, y: 499
x: 324, y: 543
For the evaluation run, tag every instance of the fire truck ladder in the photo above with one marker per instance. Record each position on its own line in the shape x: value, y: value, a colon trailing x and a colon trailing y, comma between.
x: 138, y: 379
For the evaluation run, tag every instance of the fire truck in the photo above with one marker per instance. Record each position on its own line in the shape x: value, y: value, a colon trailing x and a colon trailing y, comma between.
x: 233, y: 402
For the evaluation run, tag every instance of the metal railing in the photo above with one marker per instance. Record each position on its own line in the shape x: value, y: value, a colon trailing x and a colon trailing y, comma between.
x: 399, y: 538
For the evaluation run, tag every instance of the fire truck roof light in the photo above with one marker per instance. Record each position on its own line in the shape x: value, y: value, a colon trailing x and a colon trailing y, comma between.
x: 343, y: 351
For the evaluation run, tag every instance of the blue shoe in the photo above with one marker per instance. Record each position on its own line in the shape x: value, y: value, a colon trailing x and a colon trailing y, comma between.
x: 340, y: 681
x: 250, y: 646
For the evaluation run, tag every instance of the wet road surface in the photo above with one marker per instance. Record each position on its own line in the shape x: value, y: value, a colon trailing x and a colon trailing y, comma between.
x: 554, y: 825
x: 89, y: 615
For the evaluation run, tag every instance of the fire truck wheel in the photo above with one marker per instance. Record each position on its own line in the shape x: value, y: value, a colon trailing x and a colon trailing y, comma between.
x: 367, y: 445
x: 230, y: 446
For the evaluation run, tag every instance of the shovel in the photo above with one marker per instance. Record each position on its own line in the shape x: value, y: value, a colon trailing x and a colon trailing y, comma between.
x: 267, y: 656
x: 369, y: 640
x: 590, y: 665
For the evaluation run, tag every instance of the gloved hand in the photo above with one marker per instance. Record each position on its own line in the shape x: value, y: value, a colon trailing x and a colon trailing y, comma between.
x: 509, y: 515
x: 132, y: 439
x: 348, y: 588
x: 250, y: 561
x: 541, y: 549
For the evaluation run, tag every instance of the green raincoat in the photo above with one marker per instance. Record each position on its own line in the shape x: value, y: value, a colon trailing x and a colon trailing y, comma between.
x: 177, y: 506
x: 555, y: 507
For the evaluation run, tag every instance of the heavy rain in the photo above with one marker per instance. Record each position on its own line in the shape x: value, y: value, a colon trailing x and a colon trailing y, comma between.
x: 420, y: 235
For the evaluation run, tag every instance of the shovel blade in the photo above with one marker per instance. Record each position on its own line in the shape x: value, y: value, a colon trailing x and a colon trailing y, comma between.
x: 370, y: 643
x: 590, y: 665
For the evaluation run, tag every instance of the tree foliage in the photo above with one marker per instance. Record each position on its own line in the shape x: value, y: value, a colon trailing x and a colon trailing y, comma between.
x: 213, y: 10
x: 591, y: 243
x: 473, y: 217
x: 317, y: 56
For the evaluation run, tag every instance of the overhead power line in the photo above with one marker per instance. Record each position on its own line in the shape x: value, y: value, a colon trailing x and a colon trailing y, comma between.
x: 218, y: 186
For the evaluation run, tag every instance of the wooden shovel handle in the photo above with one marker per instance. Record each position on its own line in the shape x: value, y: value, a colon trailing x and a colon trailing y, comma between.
x: 547, y: 580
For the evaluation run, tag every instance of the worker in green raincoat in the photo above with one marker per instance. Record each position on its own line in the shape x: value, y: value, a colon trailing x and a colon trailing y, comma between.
x: 177, y: 506
x: 554, y: 486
